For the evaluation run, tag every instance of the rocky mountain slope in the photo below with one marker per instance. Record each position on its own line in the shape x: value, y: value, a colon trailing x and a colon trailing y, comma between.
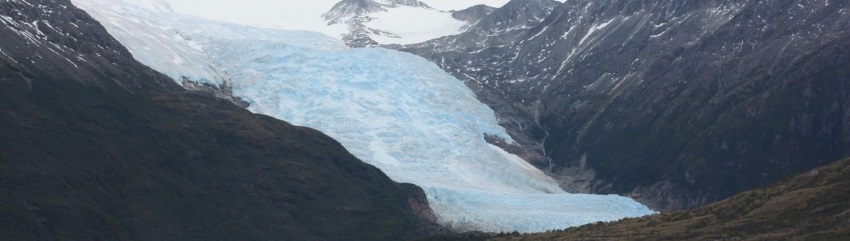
x: 473, y: 14
x: 810, y: 206
x: 487, y: 27
x: 677, y: 104
x: 491, y: 28
x: 347, y: 9
x: 96, y: 146
x: 394, y: 110
x: 371, y: 22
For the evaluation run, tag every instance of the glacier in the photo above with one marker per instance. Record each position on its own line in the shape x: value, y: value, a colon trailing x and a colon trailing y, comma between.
x: 396, y: 111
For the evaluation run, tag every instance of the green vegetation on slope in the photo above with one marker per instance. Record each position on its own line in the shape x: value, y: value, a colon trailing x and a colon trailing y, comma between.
x: 811, y: 206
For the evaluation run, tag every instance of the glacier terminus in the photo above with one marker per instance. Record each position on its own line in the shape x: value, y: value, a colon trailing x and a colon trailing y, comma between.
x: 396, y: 111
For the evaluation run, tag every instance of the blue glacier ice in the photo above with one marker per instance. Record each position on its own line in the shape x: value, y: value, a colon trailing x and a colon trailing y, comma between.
x: 396, y: 111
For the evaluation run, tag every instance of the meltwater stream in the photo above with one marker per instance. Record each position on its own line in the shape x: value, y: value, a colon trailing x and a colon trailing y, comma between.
x: 393, y: 110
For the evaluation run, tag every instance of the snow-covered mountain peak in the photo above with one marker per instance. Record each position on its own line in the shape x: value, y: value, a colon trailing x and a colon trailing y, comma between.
x: 409, y: 3
x: 374, y: 22
x: 348, y: 9
x: 394, y: 21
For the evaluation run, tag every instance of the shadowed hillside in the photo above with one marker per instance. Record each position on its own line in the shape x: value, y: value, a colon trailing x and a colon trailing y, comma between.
x: 95, y: 146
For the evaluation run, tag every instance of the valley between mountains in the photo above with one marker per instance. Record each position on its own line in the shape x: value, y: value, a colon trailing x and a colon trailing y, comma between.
x: 424, y: 120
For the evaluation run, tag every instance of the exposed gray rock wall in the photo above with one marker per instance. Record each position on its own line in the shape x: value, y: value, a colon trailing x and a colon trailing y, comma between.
x: 679, y: 103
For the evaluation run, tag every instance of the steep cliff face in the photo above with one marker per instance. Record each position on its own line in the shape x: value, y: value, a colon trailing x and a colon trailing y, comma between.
x: 676, y: 103
x: 94, y: 145
x: 517, y: 15
x: 487, y: 28
x: 41, y: 35
x: 490, y: 31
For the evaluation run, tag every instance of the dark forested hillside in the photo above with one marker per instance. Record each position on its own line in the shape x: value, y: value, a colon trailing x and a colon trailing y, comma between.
x: 95, y: 146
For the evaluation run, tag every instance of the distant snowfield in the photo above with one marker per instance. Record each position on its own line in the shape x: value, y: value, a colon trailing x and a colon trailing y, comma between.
x: 287, y: 14
x: 413, y: 25
x: 394, y: 110
x: 400, y: 20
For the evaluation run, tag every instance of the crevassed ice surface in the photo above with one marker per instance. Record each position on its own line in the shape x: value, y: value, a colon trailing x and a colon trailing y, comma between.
x: 393, y: 110
x: 160, y: 47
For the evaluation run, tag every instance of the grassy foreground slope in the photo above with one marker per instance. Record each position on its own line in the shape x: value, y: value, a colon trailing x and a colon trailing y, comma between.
x: 811, y: 206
